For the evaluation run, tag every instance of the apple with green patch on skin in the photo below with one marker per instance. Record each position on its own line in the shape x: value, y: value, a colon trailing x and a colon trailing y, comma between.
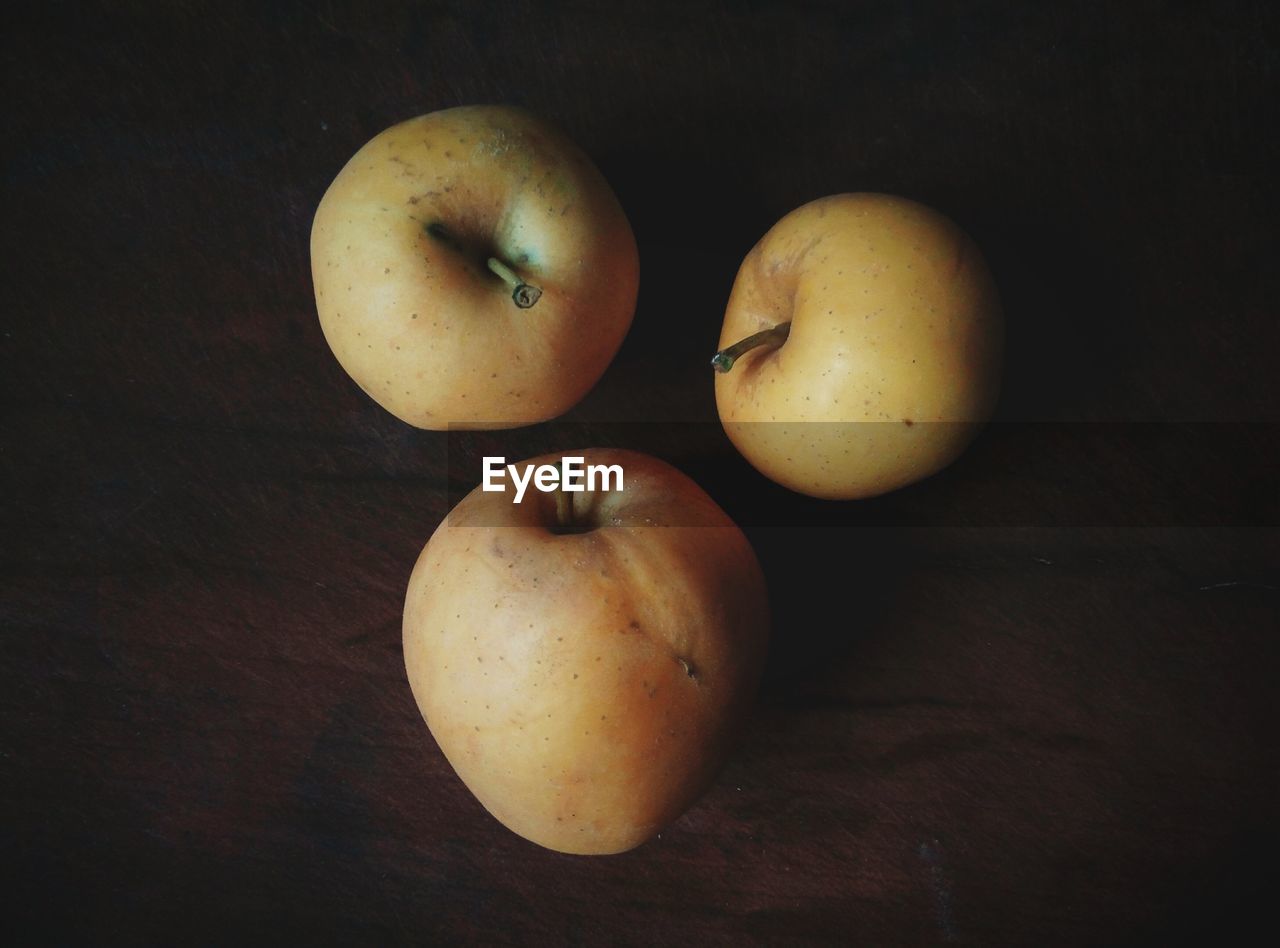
x: 862, y: 345
x: 584, y: 660
x: 472, y: 268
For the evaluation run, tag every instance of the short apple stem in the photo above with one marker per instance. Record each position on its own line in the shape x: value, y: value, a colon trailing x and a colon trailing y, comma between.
x: 723, y: 360
x: 564, y: 510
x: 524, y: 294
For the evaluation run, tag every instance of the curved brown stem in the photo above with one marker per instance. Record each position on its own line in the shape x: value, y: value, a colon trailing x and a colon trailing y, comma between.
x: 723, y: 360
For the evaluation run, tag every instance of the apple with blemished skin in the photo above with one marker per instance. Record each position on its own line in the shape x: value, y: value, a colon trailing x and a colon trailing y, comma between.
x: 473, y: 268
x: 584, y: 660
x: 862, y: 347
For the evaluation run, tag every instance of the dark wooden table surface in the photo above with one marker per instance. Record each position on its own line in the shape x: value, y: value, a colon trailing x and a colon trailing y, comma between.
x: 1026, y: 702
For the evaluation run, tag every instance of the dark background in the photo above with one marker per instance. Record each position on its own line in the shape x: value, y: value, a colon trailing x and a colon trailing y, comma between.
x: 1026, y: 702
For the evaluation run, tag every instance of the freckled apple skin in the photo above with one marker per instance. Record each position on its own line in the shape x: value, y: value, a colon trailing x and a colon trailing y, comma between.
x: 892, y: 364
x: 398, y: 256
x: 586, y: 687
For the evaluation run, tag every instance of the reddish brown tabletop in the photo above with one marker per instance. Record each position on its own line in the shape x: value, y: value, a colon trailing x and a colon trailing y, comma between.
x: 1026, y: 702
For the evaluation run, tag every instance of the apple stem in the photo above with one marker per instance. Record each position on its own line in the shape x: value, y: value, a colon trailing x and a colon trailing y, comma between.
x: 564, y: 509
x: 723, y: 360
x: 524, y: 294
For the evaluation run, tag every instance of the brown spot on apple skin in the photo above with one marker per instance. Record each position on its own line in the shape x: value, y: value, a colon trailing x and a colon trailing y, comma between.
x: 908, y: 422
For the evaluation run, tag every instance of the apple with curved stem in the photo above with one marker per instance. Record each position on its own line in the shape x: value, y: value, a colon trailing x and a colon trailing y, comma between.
x: 861, y: 347
x: 473, y: 268
x: 584, y: 660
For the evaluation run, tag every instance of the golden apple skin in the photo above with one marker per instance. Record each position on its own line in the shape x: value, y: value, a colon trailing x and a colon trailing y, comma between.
x: 892, y: 364
x: 587, y: 686
x: 399, y: 247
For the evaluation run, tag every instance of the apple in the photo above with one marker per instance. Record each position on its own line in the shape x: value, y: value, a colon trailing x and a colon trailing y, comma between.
x: 861, y: 347
x: 472, y: 268
x: 584, y: 659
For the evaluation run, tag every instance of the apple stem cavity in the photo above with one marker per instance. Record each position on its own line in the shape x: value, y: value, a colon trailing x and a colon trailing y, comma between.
x: 723, y: 360
x: 523, y: 294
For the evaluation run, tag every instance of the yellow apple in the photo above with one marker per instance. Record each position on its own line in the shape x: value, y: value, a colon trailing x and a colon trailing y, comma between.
x: 862, y: 345
x: 472, y: 268
x: 584, y: 659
